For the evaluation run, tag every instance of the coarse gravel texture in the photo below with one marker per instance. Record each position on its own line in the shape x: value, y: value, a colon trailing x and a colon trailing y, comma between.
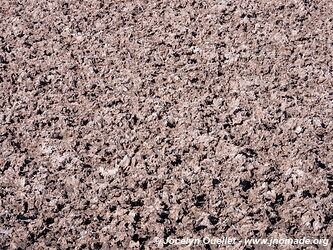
x: 123, y: 121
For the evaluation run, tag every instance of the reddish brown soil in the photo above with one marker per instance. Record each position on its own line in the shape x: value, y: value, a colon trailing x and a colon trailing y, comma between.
x: 122, y: 121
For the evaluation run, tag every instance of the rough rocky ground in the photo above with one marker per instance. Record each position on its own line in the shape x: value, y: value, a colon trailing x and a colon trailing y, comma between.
x: 121, y: 121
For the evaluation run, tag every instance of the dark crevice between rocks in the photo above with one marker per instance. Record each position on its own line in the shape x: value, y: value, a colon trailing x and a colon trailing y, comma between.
x: 245, y: 185
x: 200, y: 200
